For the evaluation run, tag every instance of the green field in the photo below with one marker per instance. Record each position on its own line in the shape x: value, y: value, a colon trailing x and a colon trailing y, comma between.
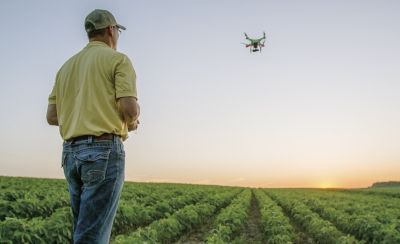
x: 37, y: 211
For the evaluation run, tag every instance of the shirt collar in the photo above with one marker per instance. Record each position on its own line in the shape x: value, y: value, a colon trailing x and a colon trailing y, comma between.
x: 96, y: 43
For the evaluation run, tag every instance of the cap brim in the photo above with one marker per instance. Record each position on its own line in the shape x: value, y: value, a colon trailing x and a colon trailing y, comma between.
x: 121, y: 27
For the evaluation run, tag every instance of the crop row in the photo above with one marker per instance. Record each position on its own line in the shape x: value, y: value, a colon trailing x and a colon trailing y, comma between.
x: 362, y: 224
x: 385, y: 211
x: 14, y: 188
x: 275, y: 225
x: 322, y: 231
x: 31, y: 207
x: 131, y: 215
x: 231, y: 219
x: 170, y: 228
x: 54, y: 229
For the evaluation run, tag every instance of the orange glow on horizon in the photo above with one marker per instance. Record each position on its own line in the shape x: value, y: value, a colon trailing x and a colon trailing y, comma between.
x: 261, y: 183
x: 327, y: 185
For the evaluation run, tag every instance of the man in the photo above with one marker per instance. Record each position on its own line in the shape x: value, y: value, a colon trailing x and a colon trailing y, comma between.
x: 94, y: 103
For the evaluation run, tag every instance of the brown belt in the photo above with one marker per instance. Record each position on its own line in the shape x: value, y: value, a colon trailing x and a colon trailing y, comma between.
x: 105, y: 136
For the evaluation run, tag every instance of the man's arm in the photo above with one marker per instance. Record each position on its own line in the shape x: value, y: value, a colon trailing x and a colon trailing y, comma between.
x: 52, y: 115
x: 130, y: 111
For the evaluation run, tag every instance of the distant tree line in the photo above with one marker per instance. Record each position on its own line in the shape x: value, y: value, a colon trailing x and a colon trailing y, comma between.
x: 386, y: 184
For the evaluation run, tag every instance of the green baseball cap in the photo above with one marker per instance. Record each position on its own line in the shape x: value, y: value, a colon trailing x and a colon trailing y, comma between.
x: 100, y: 19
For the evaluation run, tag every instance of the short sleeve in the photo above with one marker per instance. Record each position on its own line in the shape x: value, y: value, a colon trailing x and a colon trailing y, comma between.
x: 125, y: 78
x: 52, y: 97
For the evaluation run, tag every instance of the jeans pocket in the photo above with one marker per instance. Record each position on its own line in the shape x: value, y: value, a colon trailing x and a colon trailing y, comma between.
x: 63, y: 157
x: 65, y: 165
x: 93, y: 165
x: 121, y: 154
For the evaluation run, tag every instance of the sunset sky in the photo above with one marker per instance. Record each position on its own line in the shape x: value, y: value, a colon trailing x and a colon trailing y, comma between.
x: 319, y: 107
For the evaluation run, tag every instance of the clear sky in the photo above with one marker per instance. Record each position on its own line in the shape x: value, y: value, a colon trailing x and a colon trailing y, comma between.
x: 320, y: 106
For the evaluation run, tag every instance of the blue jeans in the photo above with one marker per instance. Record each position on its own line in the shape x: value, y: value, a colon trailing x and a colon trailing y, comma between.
x: 95, y: 174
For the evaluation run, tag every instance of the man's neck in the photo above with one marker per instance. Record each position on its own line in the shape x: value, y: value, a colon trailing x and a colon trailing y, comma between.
x: 101, y: 39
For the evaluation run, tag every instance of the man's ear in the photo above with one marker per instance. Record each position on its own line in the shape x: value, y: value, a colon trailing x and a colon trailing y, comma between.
x: 110, y: 31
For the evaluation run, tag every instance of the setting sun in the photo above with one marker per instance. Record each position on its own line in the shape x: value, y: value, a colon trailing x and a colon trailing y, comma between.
x: 327, y: 185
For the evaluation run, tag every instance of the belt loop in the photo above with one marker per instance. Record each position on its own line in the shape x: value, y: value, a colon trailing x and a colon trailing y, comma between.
x: 90, y: 139
x: 114, y: 139
x: 67, y: 143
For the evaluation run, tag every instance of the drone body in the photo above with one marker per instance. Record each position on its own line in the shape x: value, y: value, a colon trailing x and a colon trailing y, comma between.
x: 255, y: 45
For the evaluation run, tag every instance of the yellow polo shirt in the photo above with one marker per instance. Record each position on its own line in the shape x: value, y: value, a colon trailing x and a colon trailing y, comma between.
x: 87, y: 88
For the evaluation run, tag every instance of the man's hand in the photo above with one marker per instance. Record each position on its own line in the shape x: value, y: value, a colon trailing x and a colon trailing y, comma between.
x: 133, y: 126
x: 52, y: 114
x: 129, y: 111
